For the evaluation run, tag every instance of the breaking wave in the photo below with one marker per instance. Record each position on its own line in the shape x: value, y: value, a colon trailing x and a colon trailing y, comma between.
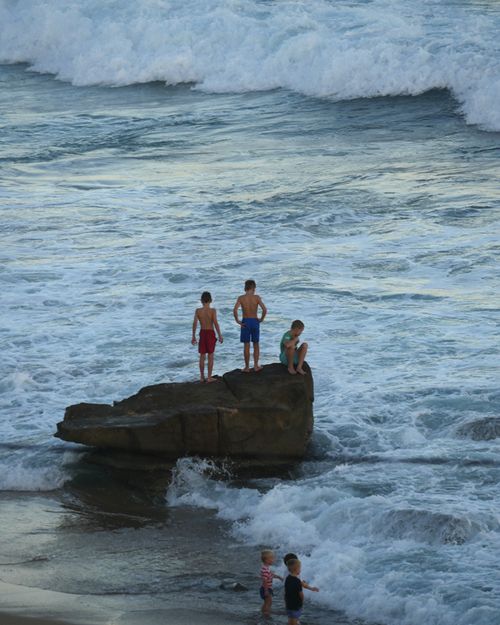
x: 370, y: 557
x: 339, y: 50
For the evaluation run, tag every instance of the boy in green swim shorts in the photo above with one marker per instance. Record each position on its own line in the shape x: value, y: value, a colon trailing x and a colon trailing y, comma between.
x: 290, y: 354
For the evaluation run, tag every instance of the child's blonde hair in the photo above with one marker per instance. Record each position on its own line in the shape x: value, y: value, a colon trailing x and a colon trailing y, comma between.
x: 265, y: 553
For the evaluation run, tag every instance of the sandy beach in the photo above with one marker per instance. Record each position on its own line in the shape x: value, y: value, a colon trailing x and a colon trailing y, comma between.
x: 21, y: 605
x: 172, y: 617
x: 11, y: 619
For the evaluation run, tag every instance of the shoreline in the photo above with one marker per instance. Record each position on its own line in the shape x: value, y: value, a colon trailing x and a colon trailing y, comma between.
x: 35, y: 606
x: 6, y: 618
x: 174, y: 616
x: 26, y: 605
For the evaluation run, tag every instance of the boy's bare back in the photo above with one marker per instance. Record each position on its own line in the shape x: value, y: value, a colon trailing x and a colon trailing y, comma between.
x: 250, y: 304
x: 206, y: 317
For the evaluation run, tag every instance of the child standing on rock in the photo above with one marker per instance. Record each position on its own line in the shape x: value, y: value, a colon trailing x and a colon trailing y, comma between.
x: 207, y: 317
x: 250, y: 323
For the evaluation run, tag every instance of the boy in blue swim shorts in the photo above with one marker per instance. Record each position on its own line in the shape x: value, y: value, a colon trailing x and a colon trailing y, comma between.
x: 290, y: 354
x: 250, y: 323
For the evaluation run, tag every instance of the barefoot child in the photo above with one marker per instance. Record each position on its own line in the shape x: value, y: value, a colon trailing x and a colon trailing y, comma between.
x: 207, y: 317
x: 267, y: 576
x: 290, y: 354
x: 250, y: 323
x: 294, y: 595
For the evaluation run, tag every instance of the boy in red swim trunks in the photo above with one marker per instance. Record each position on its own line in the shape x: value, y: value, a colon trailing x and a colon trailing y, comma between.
x: 207, y: 317
x: 250, y: 323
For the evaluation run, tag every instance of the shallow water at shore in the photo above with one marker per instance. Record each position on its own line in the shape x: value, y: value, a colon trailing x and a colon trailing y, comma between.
x: 104, y: 549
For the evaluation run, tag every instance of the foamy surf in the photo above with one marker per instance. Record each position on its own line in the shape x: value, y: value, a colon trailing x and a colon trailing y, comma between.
x: 338, y: 50
x: 32, y: 470
x: 373, y: 556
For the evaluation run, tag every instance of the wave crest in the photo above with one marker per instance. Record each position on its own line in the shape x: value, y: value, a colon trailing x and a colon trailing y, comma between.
x: 337, y: 50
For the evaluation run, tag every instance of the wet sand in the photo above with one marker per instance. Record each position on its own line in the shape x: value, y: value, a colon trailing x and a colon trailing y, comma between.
x: 172, y: 616
x: 10, y: 619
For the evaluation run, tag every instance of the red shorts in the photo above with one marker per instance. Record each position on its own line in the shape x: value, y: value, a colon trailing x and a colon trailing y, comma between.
x: 207, y: 342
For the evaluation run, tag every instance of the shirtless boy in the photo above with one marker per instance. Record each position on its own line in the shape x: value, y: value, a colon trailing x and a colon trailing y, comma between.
x: 250, y: 323
x: 207, y: 317
x: 290, y: 354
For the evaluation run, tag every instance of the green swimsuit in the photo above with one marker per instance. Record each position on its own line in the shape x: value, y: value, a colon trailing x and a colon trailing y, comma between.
x: 283, y: 359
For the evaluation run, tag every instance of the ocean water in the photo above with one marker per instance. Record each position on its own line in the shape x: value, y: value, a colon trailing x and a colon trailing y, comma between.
x: 345, y: 155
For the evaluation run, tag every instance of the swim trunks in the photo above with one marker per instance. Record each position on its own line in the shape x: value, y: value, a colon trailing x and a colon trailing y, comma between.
x: 294, y: 613
x: 250, y: 330
x: 207, y: 342
x: 265, y: 592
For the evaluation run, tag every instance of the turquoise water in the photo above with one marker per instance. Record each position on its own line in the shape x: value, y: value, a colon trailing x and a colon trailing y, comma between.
x: 374, y: 220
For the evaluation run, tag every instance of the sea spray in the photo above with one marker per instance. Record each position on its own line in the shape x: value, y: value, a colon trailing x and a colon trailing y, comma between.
x: 34, y: 471
x: 339, y: 50
x: 195, y: 481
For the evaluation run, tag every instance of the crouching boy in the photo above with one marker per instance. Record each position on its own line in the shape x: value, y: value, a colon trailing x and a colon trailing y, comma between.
x: 291, y: 355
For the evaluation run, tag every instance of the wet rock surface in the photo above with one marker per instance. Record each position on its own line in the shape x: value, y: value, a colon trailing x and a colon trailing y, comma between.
x: 265, y: 415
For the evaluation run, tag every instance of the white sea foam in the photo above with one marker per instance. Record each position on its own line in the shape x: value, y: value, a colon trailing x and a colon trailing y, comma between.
x: 17, y: 382
x: 341, y: 50
x: 369, y: 557
x: 27, y: 471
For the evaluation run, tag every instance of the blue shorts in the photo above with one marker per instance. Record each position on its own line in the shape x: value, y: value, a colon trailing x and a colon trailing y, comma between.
x: 250, y: 330
x: 294, y: 613
x: 262, y: 592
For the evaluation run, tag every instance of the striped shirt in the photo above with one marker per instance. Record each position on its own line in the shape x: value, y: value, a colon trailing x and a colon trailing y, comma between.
x: 266, y: 576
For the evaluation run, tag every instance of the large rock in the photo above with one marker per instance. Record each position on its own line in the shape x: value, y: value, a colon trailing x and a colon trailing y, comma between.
x: 265, y: 415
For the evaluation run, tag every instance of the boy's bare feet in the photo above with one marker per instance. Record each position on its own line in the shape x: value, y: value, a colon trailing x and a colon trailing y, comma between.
x: 257, y: 368
x: 246, y: 370
x: 202, y: 379
x: 211, y: 379
x: 301, y: 371
x: 292, y: 371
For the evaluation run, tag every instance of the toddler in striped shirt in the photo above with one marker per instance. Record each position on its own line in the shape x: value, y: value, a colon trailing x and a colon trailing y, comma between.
x: 267, y: 576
